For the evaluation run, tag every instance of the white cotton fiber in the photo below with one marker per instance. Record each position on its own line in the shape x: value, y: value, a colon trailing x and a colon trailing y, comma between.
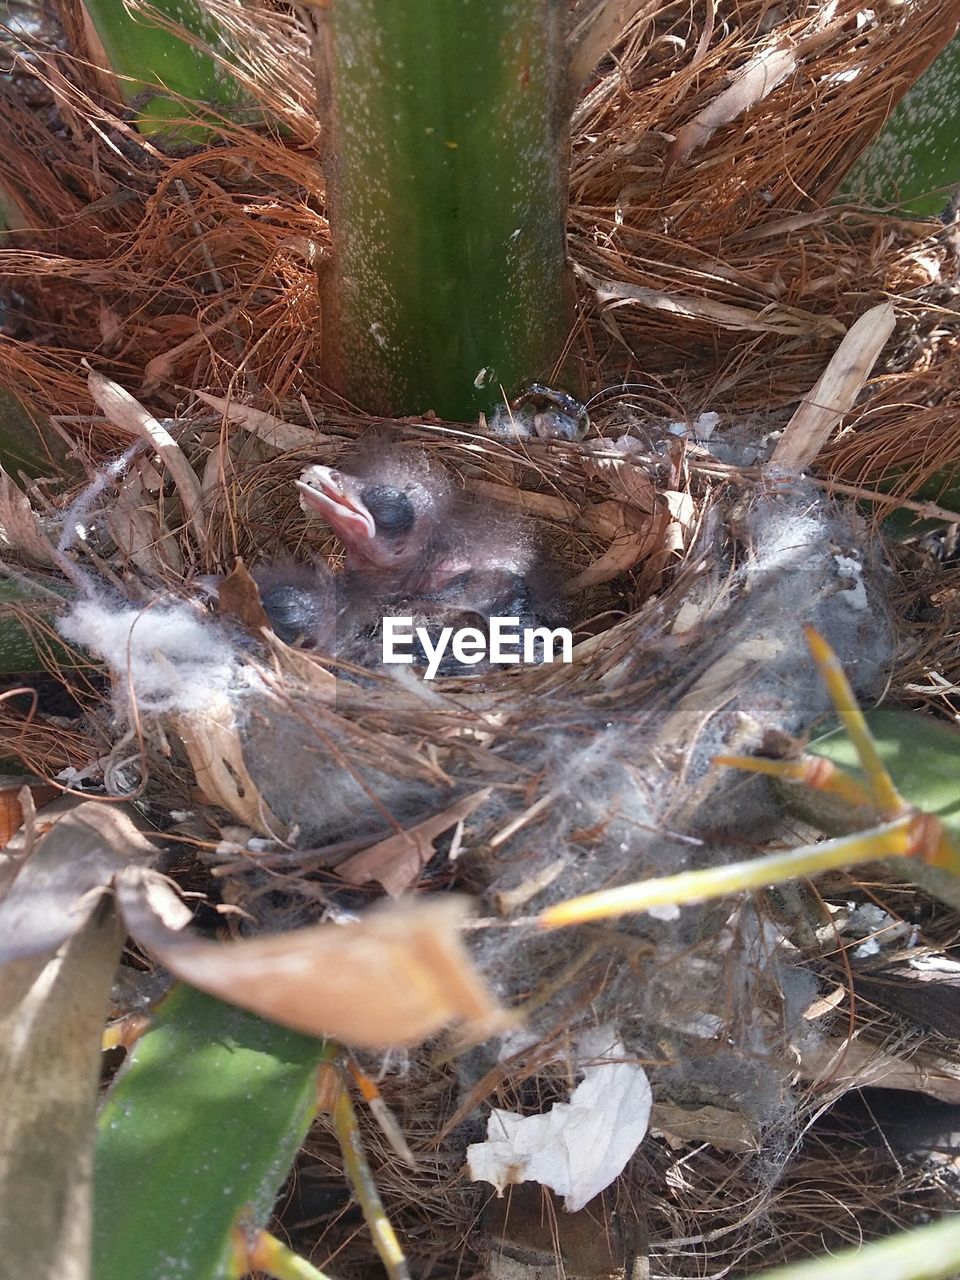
x: 166, y: 656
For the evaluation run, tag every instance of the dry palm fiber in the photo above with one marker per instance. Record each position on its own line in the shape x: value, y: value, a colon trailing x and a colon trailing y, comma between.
x: 198, y: 271
x: 638, y: 217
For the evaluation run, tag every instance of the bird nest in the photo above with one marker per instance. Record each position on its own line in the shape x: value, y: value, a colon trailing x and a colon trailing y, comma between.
x: 292, y: 784
x: 302, y: 785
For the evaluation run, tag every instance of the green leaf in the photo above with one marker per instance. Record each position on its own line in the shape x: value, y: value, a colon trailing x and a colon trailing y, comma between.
x: 922, y: 754
x: 197, y: 1135
x: 923, y: 757
x: 146, y: 55
x: 926, y: 1253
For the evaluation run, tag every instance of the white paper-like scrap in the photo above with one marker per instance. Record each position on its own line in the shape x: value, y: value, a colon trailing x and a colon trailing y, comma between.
x: 577, y: 1148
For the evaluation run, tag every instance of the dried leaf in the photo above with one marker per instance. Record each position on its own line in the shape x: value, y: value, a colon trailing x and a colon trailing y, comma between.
x: 396, y: 862
x: 20, y: 525
x: 622, y: 554
x: 283, y: 436
x: 858, y: 1064
x: 686, y: 1126
x: 213, y: 743
x: 771, y: 318
x: 238, y: 596
x: 625, y: 480
x: 395, y: 977
x: 135, y: 525
x: 127, y: 414
x: 55, y: 889
x: 683, y: 519
x: 49, y: 1073
x: 18, y: 795
x: 596, y: 35
x: 642, y: 526
x: 752, y: 83
x: 837, y: 388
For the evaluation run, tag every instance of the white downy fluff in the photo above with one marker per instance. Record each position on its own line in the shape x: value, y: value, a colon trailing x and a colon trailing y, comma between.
x: 166, y: 656
x: 577, y: 1148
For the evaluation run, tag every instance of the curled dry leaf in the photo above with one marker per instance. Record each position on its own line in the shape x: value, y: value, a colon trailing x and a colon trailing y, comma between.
x: 691, y: 1126
x: 751, y: 85
x: 625, y: 480
x: 20, y: 526
x: 17, y: 796
x: 127, y: 414
x: 57, y: 887
x: 395, y: 977
x: 136, y: 528
x: 770, y: 318
x: 683, y: 517
x: 621, y: 555
x: 212, y: 741
x: 645, y: 526
x: 396, y: 862
x: 856, y: 1063
x: 238, y: 596
x: 597, y: 33
x: 49, y: 1074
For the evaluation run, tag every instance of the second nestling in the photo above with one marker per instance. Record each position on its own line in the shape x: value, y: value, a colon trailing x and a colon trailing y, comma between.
x: 415, y: 546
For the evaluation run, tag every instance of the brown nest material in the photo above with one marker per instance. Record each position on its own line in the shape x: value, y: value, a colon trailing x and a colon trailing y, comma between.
x: 711, y: 278
x: 313, y: 787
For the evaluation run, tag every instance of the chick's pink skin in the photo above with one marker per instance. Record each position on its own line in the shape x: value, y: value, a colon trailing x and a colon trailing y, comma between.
x: 416, y: 496
x: 411, y: 533
x: 334, y: 496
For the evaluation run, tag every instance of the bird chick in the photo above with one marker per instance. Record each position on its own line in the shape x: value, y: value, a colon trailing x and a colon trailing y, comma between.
x: 405, y: 525
x: 301, y: 602
x: 414, y: 545
x: 394, y: 511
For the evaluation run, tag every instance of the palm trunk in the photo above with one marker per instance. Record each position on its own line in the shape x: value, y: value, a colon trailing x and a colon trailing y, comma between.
x: 447, y: 199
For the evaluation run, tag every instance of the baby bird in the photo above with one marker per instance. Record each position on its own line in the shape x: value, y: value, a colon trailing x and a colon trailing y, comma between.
x: 405, y: 526
x: 394, y: 512
x: 414, y: 545
x: 301, y: 602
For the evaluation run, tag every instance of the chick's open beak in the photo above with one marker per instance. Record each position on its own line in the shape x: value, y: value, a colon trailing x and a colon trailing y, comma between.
x: 327, y: 492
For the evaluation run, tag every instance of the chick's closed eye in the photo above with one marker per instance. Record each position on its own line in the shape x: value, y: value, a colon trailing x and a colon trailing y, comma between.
x: 392, y: 510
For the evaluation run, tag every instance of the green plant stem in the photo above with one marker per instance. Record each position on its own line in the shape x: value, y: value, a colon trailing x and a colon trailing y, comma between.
x: 447, y: 199
x: 915, y: 161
